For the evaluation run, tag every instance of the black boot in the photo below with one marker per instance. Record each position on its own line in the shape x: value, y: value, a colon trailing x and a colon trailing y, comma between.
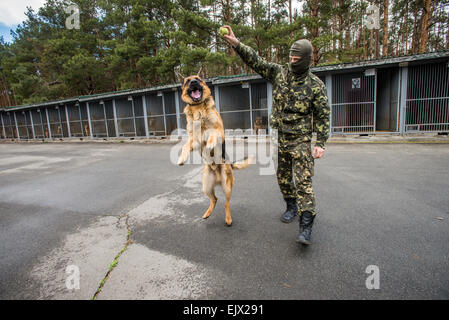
x: 305, y: 227
x: 291, y: 212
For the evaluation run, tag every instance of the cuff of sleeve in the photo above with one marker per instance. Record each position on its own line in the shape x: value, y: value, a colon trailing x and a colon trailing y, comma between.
x: 237, y: 47
x: 320, y: 144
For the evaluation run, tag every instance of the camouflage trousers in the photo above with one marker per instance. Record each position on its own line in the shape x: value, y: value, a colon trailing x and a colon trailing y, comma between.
x: 295, y: 171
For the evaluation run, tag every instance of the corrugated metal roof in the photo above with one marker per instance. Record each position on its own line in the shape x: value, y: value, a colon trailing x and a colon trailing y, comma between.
x: 107, y: 95
x: 236, y: 78
x: 244, y: 77
x: 383, y: 61
x: 41, y: 104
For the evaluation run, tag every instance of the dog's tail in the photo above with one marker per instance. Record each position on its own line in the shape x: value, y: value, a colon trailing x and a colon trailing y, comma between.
x: 245, y: 163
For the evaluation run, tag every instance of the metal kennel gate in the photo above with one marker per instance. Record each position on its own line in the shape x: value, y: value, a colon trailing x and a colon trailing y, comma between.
x: 23, y: 123
x: 98, y: 119
x: 125, y: 115
x: 244, y: 106
x: 353, y: 107
x: 2, y: 128
x: 75, y: 122
x: 39, y: 124
x: 427, y: 103
x: 9, y: 126
x: 155, y: 114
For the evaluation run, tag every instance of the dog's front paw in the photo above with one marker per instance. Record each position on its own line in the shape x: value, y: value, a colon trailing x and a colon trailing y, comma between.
x: 181, y: 161
x: 210, y: 146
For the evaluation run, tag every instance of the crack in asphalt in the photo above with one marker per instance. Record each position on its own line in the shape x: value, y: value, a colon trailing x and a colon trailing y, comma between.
x: 187, y: 177
x: 116, y: 258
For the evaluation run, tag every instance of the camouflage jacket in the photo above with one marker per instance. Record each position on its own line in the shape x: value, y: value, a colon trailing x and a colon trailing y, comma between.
x: 296, y: 103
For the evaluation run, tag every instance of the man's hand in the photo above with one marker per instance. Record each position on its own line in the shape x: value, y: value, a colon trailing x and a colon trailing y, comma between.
x: 317, y: 152
x: 231, y: 39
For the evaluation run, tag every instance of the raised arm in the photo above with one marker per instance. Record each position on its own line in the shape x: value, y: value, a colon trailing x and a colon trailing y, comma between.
x: 267, y: 70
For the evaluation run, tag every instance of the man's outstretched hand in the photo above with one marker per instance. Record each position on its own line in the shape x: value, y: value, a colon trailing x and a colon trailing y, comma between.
x: 317, y: 152
x: 231, y: 39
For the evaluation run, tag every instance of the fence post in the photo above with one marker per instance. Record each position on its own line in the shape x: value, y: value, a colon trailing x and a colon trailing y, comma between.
x: 90, y: 123
x: 269, y: 103
x: 217, y: 97
x: 114, y: 108
x: 81, y: 119
x: 403, y: 98
x: 32, y: 125
x: 3, y: 125
x: 42, y: 124
x: 69, y: 132
x: 134, y: 114
x: 250, y: 108
x: 178, y: 112
x: 17, y: 127
x: 60, y: 122
x: 105, y: 118
x: 329, y: 96
x: 375, y: 102
x: 50, y: 135
x: 145, y: 115
x: 26, y: 125
x: 163, y: 112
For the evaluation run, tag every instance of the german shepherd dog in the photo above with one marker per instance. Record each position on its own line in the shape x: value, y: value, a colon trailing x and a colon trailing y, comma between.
x: 206, y: 132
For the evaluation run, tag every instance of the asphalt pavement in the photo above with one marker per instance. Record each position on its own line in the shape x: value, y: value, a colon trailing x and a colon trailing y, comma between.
x: 129, y: 221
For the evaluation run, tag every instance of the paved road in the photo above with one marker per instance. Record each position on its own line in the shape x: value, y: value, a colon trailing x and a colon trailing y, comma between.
x: 89, y: 204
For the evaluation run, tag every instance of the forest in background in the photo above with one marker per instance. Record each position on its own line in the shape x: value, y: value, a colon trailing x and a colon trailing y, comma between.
x: 123, y: 44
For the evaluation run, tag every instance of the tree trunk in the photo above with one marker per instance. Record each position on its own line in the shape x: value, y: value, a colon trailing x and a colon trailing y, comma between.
x: 447, y: 38
x: 416, y: 31
x: 376, y: 47
x: 269, y: 26
x: 406, y: 28
x: 385, y: 40
x: 423, y: 39
x: 365, y: 51
x: 290, y: 16
x: 314, y: 32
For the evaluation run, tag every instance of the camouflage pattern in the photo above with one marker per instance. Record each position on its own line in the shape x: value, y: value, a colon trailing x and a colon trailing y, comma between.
x: 298, y: 104
x: 295, y: 101
x: 295, y: 171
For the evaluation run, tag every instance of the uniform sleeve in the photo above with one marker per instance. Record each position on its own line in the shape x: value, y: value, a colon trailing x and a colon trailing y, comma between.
x: 267, y: 70
x: 321, y: 113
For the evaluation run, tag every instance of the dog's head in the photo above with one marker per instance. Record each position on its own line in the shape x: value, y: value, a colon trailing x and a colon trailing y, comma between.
x: 194, y: 89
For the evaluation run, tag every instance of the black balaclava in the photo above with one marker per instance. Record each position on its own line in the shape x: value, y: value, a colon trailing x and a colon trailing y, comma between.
x: 301, y: 48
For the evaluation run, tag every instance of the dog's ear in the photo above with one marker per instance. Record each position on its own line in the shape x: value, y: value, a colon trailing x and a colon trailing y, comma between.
x: 199, y: 72
x: 180, y: 76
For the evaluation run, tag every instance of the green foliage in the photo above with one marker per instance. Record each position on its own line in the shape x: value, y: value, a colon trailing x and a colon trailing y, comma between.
x: 124, y: 44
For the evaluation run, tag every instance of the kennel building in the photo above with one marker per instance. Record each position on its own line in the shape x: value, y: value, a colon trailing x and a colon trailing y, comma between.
x: 397, y: 95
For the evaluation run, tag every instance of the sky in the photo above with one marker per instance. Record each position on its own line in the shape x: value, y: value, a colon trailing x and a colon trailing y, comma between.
x: 12, y: 14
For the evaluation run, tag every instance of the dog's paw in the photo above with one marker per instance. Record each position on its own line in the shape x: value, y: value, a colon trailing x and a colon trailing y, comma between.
x: 211, y: 146
x: 181, y: 162
x: 206, y: 215
x: 228, y: 222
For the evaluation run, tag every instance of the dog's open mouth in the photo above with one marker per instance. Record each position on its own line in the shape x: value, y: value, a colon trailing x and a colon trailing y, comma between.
x: 196, y: 92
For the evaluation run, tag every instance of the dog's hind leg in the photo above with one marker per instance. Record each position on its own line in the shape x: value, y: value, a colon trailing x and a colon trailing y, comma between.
x: 227, y: 182
x: 209, y: 181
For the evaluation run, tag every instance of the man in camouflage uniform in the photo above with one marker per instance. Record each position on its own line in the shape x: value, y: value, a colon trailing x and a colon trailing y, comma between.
x: 299, y: 102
